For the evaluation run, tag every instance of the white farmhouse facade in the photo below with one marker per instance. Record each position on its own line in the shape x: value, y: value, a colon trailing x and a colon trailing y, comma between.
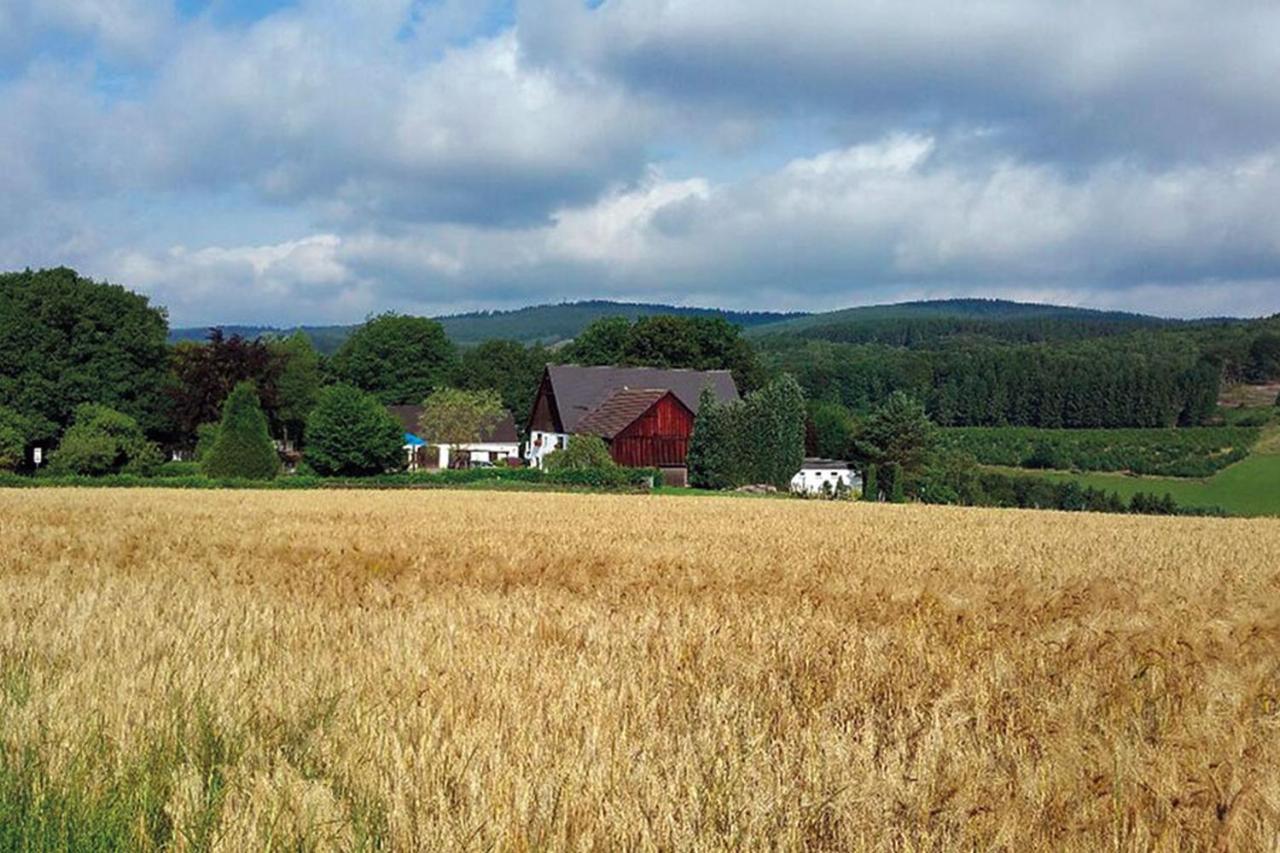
x: 495, y: 447
x: 541, y: 443
x: 817, y: 476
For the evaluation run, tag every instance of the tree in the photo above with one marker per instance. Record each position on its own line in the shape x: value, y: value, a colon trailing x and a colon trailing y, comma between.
x: 602, y: 342
x: 398, y: 359
x: 243, y: 447
x: 582, y: 452
x: 759, y: 439
x: 773, y: 425
x: 697, y: 343
x: 871, y: 483
x: 205, y: 373
x: 507, y: 367
x: 13, y: 439
x: 67, y: 340
x: 350, y: 433
x: 451, y: 416
x: 100, y: 441
x: 298, y: 384
x: 711, y: 461
x: 833, y: 429
x: 897, y: 437
x: 1264, y: 357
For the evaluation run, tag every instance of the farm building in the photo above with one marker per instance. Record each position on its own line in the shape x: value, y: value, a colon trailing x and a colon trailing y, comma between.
x: 820, y: 475
x: 496, y: 447
x: 644, y: 414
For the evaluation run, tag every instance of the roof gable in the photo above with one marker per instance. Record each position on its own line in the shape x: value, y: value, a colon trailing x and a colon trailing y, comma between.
x: 580, y: 390
x: 620, y: 410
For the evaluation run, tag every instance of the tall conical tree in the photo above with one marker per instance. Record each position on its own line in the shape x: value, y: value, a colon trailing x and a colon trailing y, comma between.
x: 243, y: 447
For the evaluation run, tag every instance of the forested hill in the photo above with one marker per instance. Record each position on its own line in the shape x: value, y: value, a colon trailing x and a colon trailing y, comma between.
x: 927, y: 324
x: 546, y: 324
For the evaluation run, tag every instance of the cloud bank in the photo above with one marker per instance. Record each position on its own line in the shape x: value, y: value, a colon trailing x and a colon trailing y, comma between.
x: 316, y: 162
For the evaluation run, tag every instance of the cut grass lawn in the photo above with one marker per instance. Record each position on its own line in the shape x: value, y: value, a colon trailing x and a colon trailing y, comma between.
x: 1248, y: 488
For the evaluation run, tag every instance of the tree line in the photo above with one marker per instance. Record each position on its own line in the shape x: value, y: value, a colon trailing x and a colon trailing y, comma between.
x: 66, y: 341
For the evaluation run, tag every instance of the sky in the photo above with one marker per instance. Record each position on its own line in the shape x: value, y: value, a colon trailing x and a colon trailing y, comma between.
x: 318, y: 161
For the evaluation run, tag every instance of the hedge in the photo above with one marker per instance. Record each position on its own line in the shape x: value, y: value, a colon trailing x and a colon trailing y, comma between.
x: 603, y: 479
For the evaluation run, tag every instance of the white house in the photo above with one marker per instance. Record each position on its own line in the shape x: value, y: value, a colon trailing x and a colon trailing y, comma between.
x: 817, y: 476
x: 495, y: 447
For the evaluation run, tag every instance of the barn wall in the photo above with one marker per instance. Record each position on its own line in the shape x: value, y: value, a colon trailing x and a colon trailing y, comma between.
x: 658, y: 437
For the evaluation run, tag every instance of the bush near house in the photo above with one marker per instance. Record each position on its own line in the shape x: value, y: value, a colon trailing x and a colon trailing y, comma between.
x: 350, y: 433
x: 243, y: 447
x: 584, y: 452
x: 102, y: 441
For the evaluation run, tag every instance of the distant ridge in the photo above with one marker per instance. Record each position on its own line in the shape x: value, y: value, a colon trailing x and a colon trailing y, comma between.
x: 917, y: 323
x: 546, y: 324
x: 936, y: 322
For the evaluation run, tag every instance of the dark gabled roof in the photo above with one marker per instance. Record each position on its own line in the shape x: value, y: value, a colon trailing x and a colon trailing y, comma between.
x: 813, y: 462
x: 619, y: 411
x: 579, y: 390
x: 503, y: 432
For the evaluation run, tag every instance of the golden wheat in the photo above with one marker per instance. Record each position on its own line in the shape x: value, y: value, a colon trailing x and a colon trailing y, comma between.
x: 459, y: 670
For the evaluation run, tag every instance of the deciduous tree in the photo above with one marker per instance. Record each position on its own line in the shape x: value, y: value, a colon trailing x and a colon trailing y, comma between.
x: 452, y: 417
x: 350, y: 433
x: 67, y: 340
x: 397, y: 358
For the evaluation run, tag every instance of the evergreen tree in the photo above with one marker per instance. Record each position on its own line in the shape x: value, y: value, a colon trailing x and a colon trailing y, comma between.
x: 243, y: 447
x: 351, y: 434
x: 897, y: 486
x: 711, y: 445
x: 870, y: 483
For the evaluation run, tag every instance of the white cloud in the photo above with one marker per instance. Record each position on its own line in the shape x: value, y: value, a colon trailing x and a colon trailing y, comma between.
x: 743, y: 153
x: 863, y: 223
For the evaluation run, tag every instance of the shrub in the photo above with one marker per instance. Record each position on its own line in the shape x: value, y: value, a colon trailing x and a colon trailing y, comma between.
x: 13, y: 439
x: 206, y: 436
x: 350, y: 433
x: 101, y: 441
x: 175, y: 468
x: 243, y: 447
x: 582, y: 452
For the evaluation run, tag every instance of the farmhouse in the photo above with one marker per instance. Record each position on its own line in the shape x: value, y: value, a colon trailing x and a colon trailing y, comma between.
x: 495, y: 447
x: 817, y: 476
x: 644, y: 414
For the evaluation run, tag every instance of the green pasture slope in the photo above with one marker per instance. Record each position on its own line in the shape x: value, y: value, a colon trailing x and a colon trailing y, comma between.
x: 1250, y: 487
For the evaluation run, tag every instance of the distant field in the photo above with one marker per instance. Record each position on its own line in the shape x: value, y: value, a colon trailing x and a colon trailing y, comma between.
x: 453, y: 670
x: 1247, y: 488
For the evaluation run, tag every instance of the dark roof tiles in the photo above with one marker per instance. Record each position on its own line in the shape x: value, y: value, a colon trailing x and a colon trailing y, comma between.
x: 619, y: 410
x: 579, y: 390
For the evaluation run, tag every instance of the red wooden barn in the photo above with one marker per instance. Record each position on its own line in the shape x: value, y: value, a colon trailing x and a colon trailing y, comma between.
x: 644, y: 414
x: 644, y: 427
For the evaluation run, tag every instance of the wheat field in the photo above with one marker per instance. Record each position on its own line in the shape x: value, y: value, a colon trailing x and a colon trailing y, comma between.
x: 510, y: 671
